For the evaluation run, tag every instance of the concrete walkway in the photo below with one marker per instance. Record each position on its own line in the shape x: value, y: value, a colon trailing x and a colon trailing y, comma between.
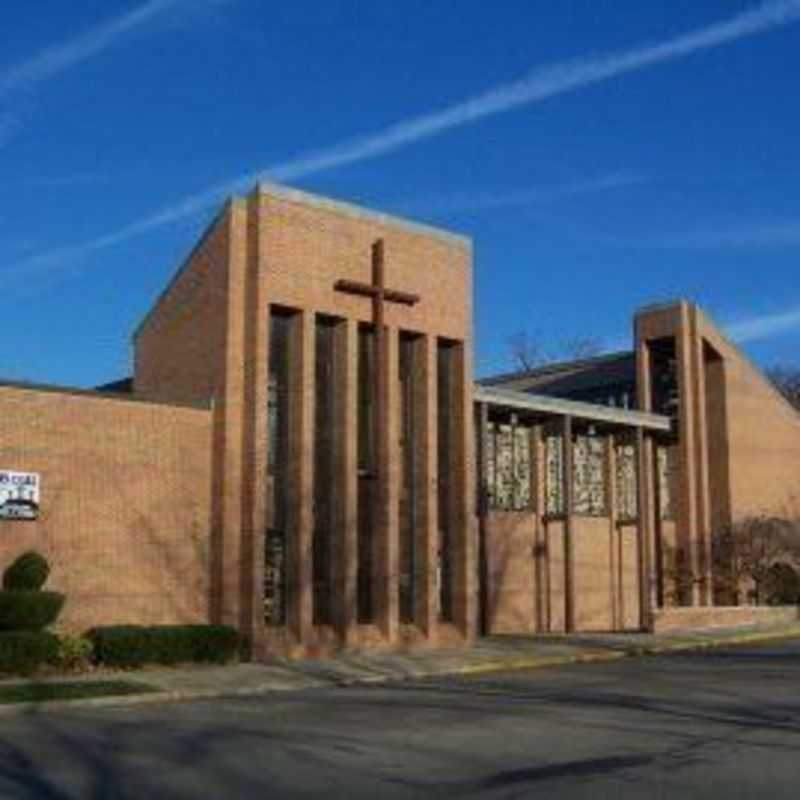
x: 491, y: 654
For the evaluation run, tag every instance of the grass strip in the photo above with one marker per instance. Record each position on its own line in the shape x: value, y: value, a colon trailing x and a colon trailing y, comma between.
x: 69, y: 690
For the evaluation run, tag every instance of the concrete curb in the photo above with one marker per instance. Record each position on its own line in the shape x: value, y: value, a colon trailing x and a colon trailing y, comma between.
x: 145, y: 698
x: 501, y: 664
x: 752, y: 637
x: 538, y: 662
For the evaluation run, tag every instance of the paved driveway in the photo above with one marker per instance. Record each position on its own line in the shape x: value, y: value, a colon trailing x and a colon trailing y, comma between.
x: 723, y: 724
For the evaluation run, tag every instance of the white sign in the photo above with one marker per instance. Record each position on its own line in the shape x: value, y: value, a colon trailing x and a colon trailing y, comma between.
x: 19, y: 495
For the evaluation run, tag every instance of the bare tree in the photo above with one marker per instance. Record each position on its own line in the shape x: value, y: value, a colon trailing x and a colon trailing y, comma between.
x: 582, y: 347
x: 753, y: 560
x: 527, y: 353
x: 786, y: 380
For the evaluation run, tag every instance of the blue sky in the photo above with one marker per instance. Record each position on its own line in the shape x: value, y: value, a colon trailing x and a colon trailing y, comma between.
x: 603, y: 155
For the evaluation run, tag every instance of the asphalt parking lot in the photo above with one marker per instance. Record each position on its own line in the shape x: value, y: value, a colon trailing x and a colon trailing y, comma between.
x: 717, y: 724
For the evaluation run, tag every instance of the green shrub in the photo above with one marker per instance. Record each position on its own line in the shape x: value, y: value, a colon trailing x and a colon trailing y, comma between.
x: 75, y: 653
x: 23, y: 652
x: 29, y: 611
x: 133, y: 645
x: 28, y: 573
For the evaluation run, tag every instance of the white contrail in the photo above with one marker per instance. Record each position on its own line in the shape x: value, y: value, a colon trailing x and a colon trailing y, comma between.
x: 765, y: 326
x: 541, y: 84
x: 57, y: 58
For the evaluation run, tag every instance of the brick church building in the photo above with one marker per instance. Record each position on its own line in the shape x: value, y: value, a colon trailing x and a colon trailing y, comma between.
x: 303, y: 452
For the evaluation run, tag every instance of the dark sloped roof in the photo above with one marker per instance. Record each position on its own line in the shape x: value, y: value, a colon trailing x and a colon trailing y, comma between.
x: 610, y: 371
x: 121, y: 386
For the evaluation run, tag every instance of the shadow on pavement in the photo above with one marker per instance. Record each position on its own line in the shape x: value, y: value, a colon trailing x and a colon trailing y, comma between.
x: 684, y: 710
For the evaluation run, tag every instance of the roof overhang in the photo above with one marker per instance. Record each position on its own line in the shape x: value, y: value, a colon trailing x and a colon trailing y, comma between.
x: 556, y: 406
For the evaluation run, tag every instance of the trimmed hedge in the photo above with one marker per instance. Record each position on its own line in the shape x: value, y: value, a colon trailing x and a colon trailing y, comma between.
x: 27, y: 573
x: 29, y: 610
x: 23, y: 652
x: 133, y: 645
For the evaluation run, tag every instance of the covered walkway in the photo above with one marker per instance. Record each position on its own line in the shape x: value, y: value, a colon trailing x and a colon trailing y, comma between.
x: 573, y: 498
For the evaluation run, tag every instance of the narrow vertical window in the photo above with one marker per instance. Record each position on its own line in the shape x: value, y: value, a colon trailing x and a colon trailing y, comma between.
x: 324, y: 460
x: 504, y: 466
x: 408, y: 493
x: 445, y: 424
x: 491, y: 465
x: 554, y: 473
x: 522, y: 467
x: 627, y: 480
x: 665, y: 466
x: 275, y: 584
x: 664, y: 378
x: 366, y: 472
x: 589, y: 474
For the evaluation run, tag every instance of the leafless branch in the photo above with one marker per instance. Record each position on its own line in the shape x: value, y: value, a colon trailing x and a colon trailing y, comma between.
x: 786, y: 380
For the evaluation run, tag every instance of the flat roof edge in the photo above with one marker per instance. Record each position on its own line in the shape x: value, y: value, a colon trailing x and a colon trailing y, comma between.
x: 662, y: 305
x: 559, y: 406
x: 361, y: 212
x: 49, y: 388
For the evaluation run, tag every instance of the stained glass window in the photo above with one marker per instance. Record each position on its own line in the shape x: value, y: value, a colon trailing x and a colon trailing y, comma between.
x: 665, y: 464
x: 554, y: 474
x: 504, y: 467
x: 522, y: 468
x: 589, y: 454
x: 491, y: 472
x: 627, y: 483
x: 508, y: 466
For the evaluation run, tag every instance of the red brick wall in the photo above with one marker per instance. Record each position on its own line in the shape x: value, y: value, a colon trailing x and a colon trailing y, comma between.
x: 179, y: 346
x: 739, y: 447
x: 556, y: 575
x: 208, y: 336
x: 512, y: 590
x: 752, y: 434
x: 668, y: 544
x: 526, y: 584
x: 191, y: 348
x: 763, y: 443
x: 296, y: 249
x: 594, y: 573
x: 124, y: 503
x: 306, y: 248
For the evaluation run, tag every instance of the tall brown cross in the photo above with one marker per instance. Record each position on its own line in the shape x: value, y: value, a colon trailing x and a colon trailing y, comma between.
x: 380, y: 295
x: 377, y: 289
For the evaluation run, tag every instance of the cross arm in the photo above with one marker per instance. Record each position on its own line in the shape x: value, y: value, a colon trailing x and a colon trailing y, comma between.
x: 395, y: 296
x: 354, y: 287
x: 369, y: 290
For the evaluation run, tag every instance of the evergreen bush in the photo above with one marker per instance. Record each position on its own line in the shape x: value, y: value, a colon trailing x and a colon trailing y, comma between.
x: 134, y: 645
x: 23, y: 652
x: 28, y: 573
x: 29, y: 611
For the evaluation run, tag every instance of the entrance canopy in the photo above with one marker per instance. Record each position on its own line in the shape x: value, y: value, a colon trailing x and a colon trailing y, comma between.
x: 545, y: 406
